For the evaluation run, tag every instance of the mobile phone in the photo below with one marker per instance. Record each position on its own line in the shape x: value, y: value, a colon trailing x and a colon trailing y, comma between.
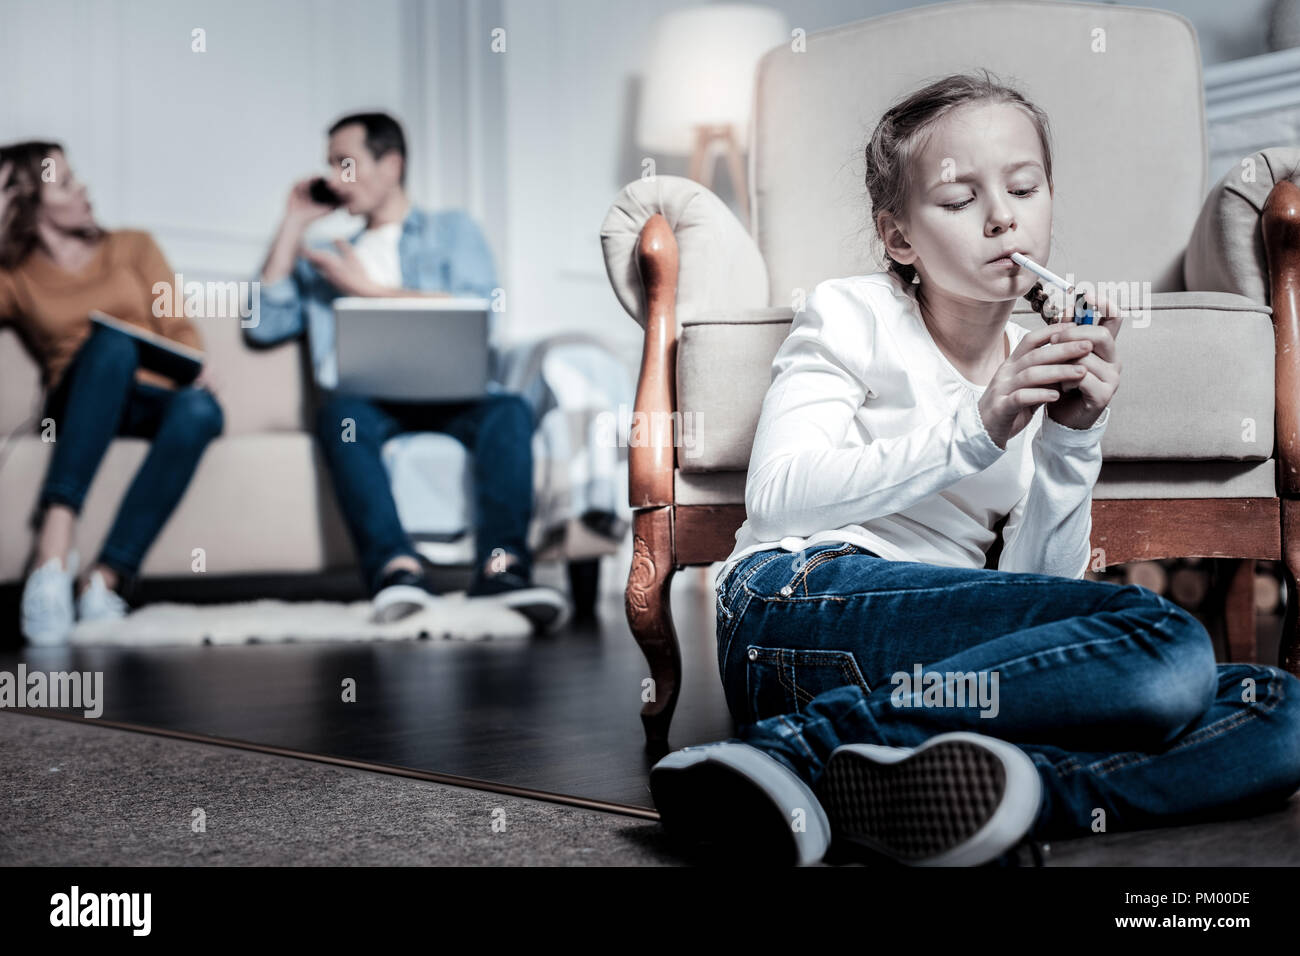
x: 321, y: 193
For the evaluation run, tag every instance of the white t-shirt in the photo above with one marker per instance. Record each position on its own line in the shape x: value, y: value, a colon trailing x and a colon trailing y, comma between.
x: 869, y: 435
x: 377, y: 250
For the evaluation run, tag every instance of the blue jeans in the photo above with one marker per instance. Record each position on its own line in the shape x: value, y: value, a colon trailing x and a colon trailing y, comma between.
x: 1112, y: 691
x: 99, y: 398
x: 497, y: 429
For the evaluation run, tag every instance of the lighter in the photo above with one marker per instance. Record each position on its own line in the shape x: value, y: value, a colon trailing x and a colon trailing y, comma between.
x: 1037, y: 296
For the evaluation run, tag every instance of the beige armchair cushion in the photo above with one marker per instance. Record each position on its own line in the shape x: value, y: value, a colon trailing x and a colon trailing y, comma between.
x: 1171, y: 404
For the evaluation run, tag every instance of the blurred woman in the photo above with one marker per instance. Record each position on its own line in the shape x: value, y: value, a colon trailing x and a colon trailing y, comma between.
x: 56, y: 266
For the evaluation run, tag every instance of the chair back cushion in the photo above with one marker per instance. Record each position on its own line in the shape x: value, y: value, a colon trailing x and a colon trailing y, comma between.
x: 1121, y: 87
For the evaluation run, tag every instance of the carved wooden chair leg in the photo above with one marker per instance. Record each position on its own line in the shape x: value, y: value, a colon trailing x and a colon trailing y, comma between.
x: 1239, y: 612
x: 649, y: 614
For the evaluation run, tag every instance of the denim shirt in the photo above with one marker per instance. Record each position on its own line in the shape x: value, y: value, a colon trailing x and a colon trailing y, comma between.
x: 439, y: 252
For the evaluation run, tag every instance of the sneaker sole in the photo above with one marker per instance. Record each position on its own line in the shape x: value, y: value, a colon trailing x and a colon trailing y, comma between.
x: 401, y: 600
x: 959, y: 799
x: 543, y: 607
x: 48, y: 638
x: 736, y: 804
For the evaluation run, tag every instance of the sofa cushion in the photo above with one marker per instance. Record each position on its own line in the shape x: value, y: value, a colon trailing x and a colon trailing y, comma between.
x: 257, y: 504
x: 20, y: 384
x: 1197, y: 381
x: 261, y: 390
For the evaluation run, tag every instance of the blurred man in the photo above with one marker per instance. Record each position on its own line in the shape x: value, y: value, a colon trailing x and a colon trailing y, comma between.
x: 402, y: 251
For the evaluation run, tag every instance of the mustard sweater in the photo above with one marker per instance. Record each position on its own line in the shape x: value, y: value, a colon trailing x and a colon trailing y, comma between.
x: 51, y: 306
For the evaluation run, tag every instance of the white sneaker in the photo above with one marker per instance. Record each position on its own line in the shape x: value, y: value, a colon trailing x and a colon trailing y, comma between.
x: 47, y: 607
x: 401, y: 594
x: 545, y: 607
x: 99, y: 602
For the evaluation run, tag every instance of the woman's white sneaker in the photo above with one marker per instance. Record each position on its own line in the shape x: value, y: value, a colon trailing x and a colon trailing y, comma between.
x: 46, y: 611
x: 959, y: 799
x: 99, y: 602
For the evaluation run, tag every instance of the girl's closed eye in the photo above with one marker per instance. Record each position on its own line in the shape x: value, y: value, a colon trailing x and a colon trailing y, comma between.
x: 1022, y: 193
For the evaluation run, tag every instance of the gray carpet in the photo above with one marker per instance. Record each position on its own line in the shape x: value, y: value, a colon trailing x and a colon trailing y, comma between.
x: 76, y: 794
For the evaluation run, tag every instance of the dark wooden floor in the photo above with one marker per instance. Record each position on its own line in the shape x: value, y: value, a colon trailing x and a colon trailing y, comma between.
x: 558, y: 714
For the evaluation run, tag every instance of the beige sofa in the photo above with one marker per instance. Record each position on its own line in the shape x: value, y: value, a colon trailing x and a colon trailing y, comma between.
x: 260, y: 502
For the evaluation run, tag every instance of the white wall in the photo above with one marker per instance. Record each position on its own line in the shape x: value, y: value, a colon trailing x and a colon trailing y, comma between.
x: 200, y: 148
x: 572, y: 74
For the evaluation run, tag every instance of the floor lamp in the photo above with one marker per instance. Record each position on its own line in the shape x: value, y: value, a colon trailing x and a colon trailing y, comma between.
x: 697, y: 98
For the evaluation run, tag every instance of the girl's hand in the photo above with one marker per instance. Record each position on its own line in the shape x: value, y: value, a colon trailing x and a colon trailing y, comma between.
x: 1025, y: 381
x: 1102, y: 366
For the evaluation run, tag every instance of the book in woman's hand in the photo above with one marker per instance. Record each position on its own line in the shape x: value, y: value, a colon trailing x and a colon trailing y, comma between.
x: 158, y: 353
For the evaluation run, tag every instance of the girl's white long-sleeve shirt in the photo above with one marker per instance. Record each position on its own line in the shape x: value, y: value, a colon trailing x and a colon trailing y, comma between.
x: 869, y: 435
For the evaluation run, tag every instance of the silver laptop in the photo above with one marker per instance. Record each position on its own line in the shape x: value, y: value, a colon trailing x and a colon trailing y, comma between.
x: 413, y: 350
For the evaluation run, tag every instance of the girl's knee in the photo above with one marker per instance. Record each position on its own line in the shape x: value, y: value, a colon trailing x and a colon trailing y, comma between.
x: 1276, y: 694
x: 1183, y: 679
x: 1162, y: 618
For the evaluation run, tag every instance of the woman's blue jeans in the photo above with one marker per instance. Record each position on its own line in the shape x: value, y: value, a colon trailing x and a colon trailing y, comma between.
x: 99, y: 398
x: 1111, y: 690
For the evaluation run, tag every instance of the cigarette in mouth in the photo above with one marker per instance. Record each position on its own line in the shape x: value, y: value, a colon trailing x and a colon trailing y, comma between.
x: 1041, y: 271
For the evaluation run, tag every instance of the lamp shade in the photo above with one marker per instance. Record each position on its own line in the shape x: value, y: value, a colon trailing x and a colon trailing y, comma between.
x: 700, y: 70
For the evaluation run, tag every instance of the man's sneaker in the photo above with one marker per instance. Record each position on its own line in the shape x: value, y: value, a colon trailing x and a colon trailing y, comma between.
x: 959, y: 799
x: 47, y: 605
x: 734, y: 798
x: 99, y: 602
x: 402, y: 593
x: 546, y: 608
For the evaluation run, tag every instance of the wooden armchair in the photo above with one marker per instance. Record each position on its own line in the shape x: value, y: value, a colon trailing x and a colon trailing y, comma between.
x: 1179, y: 476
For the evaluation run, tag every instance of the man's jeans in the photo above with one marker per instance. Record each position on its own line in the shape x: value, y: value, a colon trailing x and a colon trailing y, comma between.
x: 1113, y: 691
x: 497, y: 429
x: 99, y: 398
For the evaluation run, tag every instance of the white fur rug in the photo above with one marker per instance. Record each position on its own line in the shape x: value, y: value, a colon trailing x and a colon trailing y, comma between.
x: 158, y: 625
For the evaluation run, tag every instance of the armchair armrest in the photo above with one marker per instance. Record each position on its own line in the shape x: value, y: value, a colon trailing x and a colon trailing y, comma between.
x: 1247, y: 241
x: 672, y: 250
x: 721, y: 267
x: 1226, y: 250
